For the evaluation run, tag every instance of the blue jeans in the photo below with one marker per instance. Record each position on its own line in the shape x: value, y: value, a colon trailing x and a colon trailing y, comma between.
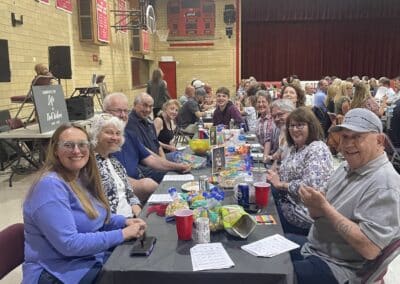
x: 90, y: 276
x: 286, y: 226
x: 312, y: 269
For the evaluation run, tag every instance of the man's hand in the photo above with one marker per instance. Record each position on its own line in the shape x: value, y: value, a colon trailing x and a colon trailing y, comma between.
x: 314, y: 200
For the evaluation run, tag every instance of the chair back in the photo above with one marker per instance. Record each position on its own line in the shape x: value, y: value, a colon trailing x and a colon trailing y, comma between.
x: 15, y: 123
x: 378, y: 268
x: 12, y: 248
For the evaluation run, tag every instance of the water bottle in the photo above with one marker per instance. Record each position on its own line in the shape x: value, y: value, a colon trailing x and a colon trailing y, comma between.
x: 232, y: 124
x: 200, y: 123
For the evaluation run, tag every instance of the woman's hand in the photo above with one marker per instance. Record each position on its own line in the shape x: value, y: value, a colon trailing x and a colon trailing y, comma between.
x: 273, y: 177
x: 135, y: 228
x: 136, y: 209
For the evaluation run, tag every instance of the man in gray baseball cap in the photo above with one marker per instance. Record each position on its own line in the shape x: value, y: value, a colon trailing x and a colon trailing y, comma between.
x: 358, y: 216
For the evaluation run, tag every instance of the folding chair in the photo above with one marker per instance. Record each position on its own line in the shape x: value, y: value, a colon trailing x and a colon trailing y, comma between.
x: 12, y: 248
x: 393, y: 153
x: 375, y: 272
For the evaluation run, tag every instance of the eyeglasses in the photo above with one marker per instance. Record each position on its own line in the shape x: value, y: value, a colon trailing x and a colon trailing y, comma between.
x: 298, y: 126
x: 119, y: 111
x: 70, y: 145
x: 278, y: 115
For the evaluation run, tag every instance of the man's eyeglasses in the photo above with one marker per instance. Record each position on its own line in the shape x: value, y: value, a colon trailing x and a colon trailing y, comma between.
x: 119, y: 111
x: 278, y: 115
x: 299, y: 126
x: 70, y: 145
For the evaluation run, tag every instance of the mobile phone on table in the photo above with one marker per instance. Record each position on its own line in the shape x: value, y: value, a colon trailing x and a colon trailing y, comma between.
x: 143, y: 247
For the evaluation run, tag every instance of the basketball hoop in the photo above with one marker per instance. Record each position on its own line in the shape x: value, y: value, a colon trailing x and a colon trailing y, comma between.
x: 150, y: 19
x: 162, y: 34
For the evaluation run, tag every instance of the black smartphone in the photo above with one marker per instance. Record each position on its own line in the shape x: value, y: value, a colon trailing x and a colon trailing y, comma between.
x: 144, y: 247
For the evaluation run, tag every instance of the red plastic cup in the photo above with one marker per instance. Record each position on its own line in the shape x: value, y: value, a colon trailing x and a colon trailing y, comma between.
x: 184, y: 224
x: 262, y: 193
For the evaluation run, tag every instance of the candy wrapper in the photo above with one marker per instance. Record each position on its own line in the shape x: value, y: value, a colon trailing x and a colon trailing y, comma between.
x: 179, y: 202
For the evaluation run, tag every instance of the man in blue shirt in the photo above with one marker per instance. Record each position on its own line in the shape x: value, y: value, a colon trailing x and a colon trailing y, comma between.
x: 133, y: 152
x: 320, y: 95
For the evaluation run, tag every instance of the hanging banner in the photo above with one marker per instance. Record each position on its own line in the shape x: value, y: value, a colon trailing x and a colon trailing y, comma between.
x: 123, y: 21
x: 65, y: 5
x: 102, y: 20
x: 44, y: 2
x: 145, y: 41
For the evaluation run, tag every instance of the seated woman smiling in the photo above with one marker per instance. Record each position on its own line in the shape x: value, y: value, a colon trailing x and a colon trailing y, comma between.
x: 308, y: 162
x: 107, y: 136
x: 69, y: 228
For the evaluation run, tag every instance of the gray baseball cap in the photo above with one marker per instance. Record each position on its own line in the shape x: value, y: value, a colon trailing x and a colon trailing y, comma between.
x: 360, y: 120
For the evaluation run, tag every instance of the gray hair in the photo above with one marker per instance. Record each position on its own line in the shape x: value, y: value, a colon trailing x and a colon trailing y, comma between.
x: 264, y: 94
x: 101, y: 121
x: 113, y: 96
x: 284, y: 105
x: 139, y: 98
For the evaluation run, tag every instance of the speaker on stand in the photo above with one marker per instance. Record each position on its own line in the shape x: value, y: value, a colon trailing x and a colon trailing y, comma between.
x: 60, y: 62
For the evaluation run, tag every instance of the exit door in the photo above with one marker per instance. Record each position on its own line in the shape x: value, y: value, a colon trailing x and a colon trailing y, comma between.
x: 169, y: 69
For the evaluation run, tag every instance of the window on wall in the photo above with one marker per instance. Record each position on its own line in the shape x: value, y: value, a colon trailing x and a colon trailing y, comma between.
x: 140, y: 72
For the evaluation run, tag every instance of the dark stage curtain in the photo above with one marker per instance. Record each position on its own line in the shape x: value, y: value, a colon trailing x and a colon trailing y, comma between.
x: 316, y: 38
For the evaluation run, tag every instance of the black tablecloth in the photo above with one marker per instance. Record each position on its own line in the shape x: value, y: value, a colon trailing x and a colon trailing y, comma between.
x: 170, y: 260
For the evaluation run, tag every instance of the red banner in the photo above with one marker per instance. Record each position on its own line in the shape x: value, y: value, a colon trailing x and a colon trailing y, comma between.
x: 102, y: 20
x: 65, y: 5
x: 145, y: 41
x: 123, y: 21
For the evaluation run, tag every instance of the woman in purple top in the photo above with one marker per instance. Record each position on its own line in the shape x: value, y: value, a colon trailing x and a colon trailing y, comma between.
x: 225, y: 110
x: 67, y: 220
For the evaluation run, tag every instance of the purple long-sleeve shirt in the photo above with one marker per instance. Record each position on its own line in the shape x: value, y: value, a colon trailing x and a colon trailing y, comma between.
x: 60, y: 237
x: 225, y: 116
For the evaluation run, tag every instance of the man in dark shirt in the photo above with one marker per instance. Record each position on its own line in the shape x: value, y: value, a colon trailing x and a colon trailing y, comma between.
x: 190, y: 111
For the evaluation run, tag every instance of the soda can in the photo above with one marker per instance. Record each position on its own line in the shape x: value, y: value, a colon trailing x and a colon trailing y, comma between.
x: 202, y: 232
x: 203, y: 183
x: 243, y: 194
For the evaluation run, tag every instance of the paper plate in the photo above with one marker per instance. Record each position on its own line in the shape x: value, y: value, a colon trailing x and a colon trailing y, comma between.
x: 190, y: 186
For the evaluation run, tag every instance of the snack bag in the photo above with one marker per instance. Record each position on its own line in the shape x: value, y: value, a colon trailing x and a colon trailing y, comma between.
x: 237, y: 222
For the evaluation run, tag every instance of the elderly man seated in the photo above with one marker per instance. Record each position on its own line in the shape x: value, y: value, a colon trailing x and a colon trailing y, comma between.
x: 359, y: 215
x: 133, y: 152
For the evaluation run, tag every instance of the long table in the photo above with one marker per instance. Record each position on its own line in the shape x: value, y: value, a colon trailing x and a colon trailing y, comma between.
x: 170, y: 260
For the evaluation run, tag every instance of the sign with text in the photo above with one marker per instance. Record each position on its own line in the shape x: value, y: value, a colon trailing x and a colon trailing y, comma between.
x: 102, y: 21
x: 65, y: 5
x: 51, y: 109
x: 145, y: 41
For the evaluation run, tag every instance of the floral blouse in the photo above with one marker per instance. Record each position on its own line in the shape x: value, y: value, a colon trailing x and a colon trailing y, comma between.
x: 311, y: 165
x: 109, y: 184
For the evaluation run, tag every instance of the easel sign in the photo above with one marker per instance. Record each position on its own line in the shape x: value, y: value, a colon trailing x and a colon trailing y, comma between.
x: 51, y: 109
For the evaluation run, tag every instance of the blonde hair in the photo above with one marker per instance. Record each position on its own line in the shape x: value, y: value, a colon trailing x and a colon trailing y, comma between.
x: 361, y: 94
x: 331, y: 93
x: 89, y: 174
x: 171, y: 102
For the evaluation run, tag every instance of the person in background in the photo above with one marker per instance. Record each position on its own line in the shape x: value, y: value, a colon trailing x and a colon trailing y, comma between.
x: 309, y: 93
x: 190, y: 112
x: 294, y: 93
x: 189, y: 93
x: 43, y: 75
x: 265, y: 126
x: 157, y: 88
x: 226, y: 110
x: 166, y: 127
x: 209, y: 101
x: 384, y: 91
x: 69, y: 228
x: 107, y: 136
x: 280, y: 110
x: 320, y: 95
x: 309, y: 162
x: 358, y: 215
x: 332, y: 92
x: 373, y: 85
x: 117, y: 105
x: 363, y: 99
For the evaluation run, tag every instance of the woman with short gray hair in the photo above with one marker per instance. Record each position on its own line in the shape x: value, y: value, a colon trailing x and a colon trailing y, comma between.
x: 107, y: 137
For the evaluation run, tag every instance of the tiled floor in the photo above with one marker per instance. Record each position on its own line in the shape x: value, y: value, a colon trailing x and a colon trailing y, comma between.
x: 11, y: 212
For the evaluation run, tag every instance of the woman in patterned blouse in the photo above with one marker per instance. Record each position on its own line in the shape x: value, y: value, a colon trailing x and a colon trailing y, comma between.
x: 107, y: 137
x: 309, y: 162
